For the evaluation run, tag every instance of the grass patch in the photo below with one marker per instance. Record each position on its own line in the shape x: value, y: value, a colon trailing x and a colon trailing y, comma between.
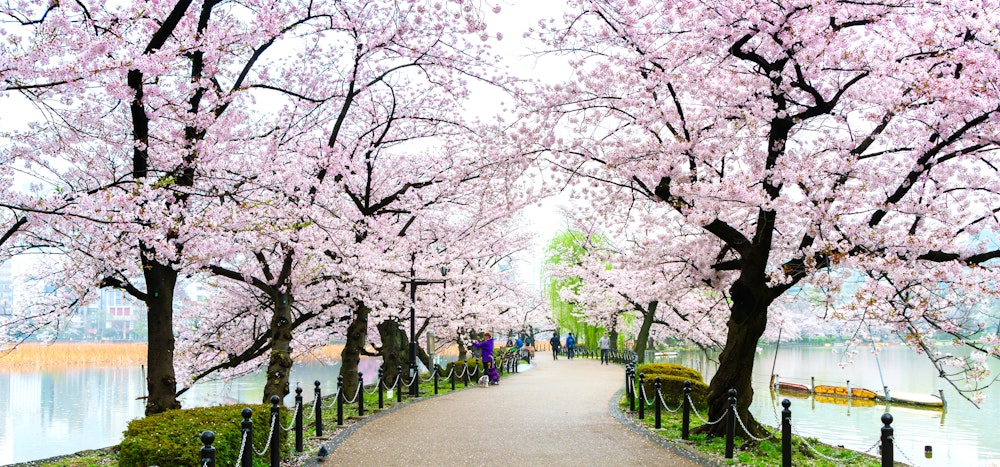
x: 749, y: 452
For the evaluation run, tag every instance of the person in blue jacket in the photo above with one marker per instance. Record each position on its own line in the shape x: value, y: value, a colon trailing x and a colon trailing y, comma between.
x: 570, y: 346
x: 486, y: 346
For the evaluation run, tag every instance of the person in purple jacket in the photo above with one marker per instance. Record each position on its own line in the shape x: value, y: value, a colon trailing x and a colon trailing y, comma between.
x: 486, y: 346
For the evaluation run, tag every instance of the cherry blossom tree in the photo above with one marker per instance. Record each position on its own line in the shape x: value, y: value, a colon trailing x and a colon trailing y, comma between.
x: 171, y: 123
x: 801, y: 138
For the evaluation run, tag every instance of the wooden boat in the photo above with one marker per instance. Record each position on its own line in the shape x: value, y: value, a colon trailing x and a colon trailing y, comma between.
x: 842, y: 391
x: 913, y: 398
x: 793, y: 387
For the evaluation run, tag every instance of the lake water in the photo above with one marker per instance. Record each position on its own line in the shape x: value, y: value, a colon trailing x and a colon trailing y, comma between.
x: 961, y: 436
x: 50, y: 413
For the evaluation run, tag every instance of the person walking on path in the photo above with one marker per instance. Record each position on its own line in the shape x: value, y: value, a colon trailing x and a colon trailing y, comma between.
x: 570, y: 346
x: 605, y: 345
x: 554, y: 343
x: 486, y: 346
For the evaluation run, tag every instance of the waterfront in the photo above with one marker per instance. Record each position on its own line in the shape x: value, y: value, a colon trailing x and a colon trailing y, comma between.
x: 959, y: 436
x: 53, y: 412
x: 60, y: 411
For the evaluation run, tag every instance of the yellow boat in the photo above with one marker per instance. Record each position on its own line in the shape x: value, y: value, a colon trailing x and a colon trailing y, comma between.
x: 842, y: 391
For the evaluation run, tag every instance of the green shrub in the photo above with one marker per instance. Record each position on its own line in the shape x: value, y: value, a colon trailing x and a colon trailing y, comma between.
x: 173, y: 437
x: 652, y: 370
x: 672, y: 378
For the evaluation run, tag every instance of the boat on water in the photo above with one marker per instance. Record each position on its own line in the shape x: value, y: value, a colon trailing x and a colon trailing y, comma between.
x: 844, y: 391
x: 793, y: 387
x: 912, y: 398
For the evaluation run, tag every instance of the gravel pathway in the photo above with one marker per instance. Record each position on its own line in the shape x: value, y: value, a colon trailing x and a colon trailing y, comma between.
x: 555, y: 414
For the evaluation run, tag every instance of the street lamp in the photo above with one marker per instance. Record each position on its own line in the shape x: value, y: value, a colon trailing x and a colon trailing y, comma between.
x: 414, y: 282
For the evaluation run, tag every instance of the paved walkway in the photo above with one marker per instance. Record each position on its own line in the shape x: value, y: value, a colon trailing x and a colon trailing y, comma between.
x: 555, y: 414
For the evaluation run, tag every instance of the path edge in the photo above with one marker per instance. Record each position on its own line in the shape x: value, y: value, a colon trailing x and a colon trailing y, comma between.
x: 671, y: 445
x: 342, y: 435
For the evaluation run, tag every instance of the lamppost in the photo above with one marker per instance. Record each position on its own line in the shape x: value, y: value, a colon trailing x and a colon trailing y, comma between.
x: 414, y: 282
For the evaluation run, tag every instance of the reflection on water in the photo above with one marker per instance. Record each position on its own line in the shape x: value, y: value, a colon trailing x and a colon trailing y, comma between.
x: 960, y: 436
x: 50, y: 413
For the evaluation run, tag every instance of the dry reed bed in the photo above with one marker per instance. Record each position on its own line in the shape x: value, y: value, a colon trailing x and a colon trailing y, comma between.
x: 81, y: 354
x: 66, y: 354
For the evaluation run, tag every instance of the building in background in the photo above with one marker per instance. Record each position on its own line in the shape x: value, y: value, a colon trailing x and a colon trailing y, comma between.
x: 6, y: 289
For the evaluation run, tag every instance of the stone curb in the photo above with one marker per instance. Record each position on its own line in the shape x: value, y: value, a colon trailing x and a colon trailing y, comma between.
x: 673, y: 446
x: 342, y: 435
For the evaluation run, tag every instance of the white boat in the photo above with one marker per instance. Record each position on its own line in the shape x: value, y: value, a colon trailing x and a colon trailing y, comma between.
x: 911, y: 398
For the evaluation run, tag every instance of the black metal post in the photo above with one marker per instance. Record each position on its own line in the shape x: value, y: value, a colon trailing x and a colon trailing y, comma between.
x: 887, y: 438
x: 207, y: 451
x: 381, y: 384
x: 642, y: 398
x: 436, y: 376
x: 318, y: 403
x: 630, y: 380
x: 465, y: 374
x: 413, y: 328
x: 361, y: 394
x: 275, y: 443
x: 452, y: 376
x: 246, y: 428
x: 686, y: 414
x: 298, y: 419
x: 340, y: 400
x: 731, y: 425
x: 399, y: 383
x: 656, y: 403
x: 414, y: 282
x: 414, y: 380
x: 786, y: 433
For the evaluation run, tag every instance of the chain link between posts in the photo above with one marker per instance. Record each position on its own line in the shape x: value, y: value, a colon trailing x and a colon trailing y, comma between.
x: 834, y: 459
x: 357, y: 392
x: 908, y: 460
x: 270, y: 434
x: 295, y: 412
x: 312, y: 409
x: 747, y: 431
x: 243, y: 445
x: 663, y: 403
x: 721, y: 417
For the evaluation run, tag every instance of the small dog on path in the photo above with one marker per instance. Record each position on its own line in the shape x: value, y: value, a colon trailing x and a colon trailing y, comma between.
x: 484, y: 381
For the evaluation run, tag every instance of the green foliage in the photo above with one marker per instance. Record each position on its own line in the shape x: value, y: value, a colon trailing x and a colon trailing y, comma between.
x: 567, y: 248
x: 668, y: 369
x: 672, y: 378
x: 173, y: 437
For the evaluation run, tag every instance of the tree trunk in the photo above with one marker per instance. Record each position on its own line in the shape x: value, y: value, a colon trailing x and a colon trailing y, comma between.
x: 161, y: 380
x: 613, y: 333
x: 642, y: 340
x: 280, y: 364
x: 394, y: 349
x: 350, y: 357
x: 748, y: 318
x: 424, y: 358
x: 463, y: 352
